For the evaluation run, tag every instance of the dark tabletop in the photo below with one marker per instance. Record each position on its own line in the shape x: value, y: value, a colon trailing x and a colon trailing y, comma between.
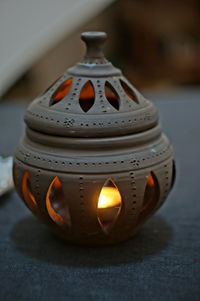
x: 162, y: 262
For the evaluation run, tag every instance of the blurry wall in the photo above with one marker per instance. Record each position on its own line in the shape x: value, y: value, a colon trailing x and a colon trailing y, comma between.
x: 159, y: 41
x: 156, y: 43
x: 57, y: 60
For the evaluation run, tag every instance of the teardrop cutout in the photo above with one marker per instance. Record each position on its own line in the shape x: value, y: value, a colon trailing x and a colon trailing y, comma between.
x: 129, y: 92
x: 109, y: 205
x: 151, y: 195
x: 87, y: 96
x: 27, y: 193
x: 112, y: 96
x: 61, y: 91
x: 173, y: 174
x: 56, y: 204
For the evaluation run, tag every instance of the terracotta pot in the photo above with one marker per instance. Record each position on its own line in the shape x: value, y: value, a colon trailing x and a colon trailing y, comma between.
x: 89, y: 138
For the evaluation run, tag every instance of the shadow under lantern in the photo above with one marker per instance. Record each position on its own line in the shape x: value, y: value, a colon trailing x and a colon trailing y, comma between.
x: 93, y: 164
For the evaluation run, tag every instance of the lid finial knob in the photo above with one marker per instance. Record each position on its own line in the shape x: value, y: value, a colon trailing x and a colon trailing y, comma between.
x: 94, y: 41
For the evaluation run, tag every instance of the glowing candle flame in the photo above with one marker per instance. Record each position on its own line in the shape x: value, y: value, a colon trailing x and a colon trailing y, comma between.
x: 109, y: 197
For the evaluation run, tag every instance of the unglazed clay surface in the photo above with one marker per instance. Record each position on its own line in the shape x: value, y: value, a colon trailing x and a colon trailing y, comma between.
x: 91, y: 128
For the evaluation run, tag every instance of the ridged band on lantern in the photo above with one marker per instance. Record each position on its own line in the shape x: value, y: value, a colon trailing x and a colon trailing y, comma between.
x: 94, y: 164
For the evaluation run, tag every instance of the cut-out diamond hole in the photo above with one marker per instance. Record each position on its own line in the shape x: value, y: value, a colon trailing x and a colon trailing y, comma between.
x: 173, y: 174
x: 56, y: 204
x: 61, y: 91
x: 87, y: 96
x: 129, y: 92
x: 109, y: 205
x: 27, y: 193
x: 151, y: 196
x: 112, y: 95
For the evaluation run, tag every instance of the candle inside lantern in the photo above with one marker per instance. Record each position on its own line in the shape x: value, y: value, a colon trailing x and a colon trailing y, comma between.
x: 109, y: 197
x: 109, y: 204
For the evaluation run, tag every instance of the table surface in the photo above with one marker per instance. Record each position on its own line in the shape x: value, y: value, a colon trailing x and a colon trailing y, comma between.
x: 162, y: 262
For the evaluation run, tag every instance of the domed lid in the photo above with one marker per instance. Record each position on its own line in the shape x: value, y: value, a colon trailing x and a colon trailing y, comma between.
x: 91, y: 99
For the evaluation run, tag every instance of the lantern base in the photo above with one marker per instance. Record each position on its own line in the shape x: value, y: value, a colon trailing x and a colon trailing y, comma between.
x: 95, y: 242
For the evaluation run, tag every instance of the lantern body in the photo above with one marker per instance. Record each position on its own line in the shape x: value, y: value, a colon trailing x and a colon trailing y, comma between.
x: 92, y: 130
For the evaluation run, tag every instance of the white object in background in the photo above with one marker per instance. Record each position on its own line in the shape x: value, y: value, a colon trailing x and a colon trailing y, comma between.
x: 6, y: 179
x: 29, y: 28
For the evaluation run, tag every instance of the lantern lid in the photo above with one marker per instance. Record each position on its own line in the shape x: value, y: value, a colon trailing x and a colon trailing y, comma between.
x: 91, y: 99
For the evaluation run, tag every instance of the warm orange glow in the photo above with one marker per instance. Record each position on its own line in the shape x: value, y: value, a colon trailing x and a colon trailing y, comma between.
x: 128, y: 91
x: 87, y: 91
x: 111, y: 95
x: 56, y: 186
x: 87, y: 96
x: 109, y: 197
x: 150, y: 181
x: 27, y: 194
x: 151, y: 194
x: 110, y: 92
x: 62, y: 91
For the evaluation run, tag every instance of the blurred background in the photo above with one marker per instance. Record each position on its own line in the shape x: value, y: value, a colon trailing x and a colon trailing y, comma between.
x: 156, y: 43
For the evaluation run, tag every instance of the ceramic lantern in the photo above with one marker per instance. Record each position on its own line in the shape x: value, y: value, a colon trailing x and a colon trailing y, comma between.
x: 93, y: 164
